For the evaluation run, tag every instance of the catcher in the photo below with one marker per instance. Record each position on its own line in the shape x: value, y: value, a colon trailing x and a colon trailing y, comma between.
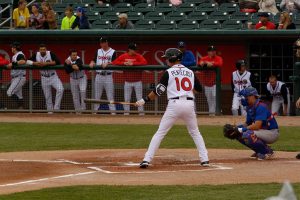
x: 259, y: 129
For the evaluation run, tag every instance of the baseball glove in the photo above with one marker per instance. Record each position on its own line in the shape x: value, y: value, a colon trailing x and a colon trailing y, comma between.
x: 230, y: 131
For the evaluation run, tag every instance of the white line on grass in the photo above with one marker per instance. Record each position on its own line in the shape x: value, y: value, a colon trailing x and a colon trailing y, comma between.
x: 45, y: 161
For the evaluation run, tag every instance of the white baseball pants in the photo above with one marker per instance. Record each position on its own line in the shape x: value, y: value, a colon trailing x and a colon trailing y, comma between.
x: 236, y: 104
x: 16, y: 86
x: 178, y: 109
x: 279, y: 102
x: 78, y: 89
x: 47, y: 84
x: 104, y: 82
x: 138, y: 88
x: 210, y: 93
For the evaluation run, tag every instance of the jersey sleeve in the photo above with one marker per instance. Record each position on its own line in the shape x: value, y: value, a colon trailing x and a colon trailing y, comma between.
x: 197, y: 85
x: 284, y: 93
x: 95, y: 56
x: 114, y: 56
x: 55, y: 58
x: 79, y: 63
x: 20, y: 57
x: 119, y: 60
x: 162, y: 85
x: 33, y: 57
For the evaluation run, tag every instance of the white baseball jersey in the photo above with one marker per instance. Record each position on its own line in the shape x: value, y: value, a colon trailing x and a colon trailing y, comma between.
x: 46, y: 58
x: 275, y: 92
x: 14, y: 59
x: 241, y: 81
x: 104, y: 57
x: 76, y: 74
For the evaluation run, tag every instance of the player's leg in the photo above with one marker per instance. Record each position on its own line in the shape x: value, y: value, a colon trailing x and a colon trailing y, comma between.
x: 207, y: 95
x: 235, y: 105
x: 15, y: 90
x: 275, y: 106
x: 75, y: 93
x: 138, y: 88
x: 19, y: 93
x: 213, y: 100
x: 98, y: 90
x: 188, y: 115
x: 57, y: 84
x: 46, y: 86
x: 127, y: 96
x: 109, y: 88
x: 268, y: 136
x: 289, y: 104
x: 82, y: 89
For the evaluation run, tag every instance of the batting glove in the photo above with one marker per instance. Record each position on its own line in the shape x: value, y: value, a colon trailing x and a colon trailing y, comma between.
x: 140, y: 102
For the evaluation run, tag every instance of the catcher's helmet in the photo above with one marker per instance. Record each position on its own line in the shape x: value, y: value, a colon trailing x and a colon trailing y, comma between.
x: 249, y: 91
x: 173, y: 54
x: 240, y: 63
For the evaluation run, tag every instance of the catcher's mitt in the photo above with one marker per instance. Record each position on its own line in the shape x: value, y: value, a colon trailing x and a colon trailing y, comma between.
x: 230, y: 131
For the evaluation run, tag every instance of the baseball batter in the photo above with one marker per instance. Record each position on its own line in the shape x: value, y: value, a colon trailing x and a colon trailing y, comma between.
x: 49, y: 78
x: 18, y: 77
x: 279, y: 94
x: 78, y: 80
x: 180, y: 84
x: 104, y: 78
x: 241, y: 79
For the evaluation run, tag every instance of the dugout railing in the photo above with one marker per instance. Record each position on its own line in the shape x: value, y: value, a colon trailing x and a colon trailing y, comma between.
x: 34, y: 100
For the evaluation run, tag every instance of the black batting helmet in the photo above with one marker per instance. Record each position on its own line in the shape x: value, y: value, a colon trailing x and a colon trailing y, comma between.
x: 240, y: 63
x: 173, y: 55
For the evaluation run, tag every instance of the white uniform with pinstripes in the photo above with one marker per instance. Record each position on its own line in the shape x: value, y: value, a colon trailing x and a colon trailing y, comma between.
x: 18, y: 79
x: 278, y: 100
x: 50, y: 79
x: 104, y: 78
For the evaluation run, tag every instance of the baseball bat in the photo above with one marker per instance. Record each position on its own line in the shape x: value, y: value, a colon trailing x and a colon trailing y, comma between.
x: 107, y: 102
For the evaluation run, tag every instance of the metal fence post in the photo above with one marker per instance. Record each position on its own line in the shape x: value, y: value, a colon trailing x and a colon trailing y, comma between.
x: 218, y: 90
x: 156, y: 99
x: 296, y: 80
x: 30, y: 91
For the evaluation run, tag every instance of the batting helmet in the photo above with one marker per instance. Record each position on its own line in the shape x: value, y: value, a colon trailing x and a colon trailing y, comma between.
x: 249, y: 91
x: 173, y: 55
x: 240, y: 63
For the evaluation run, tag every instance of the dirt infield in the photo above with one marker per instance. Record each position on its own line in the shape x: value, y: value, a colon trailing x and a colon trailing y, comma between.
x: 26, y: 171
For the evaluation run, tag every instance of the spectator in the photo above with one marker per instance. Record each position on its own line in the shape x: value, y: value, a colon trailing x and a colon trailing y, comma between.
x: 49, y: 16
x: 208, y: 78
x: 123, y: 22
x: 68, y: 20
x: 81, y: 20
x: 3, y: 61
x: 21, y: 15
x: 249, y: 6
x: 264, y: 23
x: 188, y: 58
x: 291, y: 6
x: 133, y: 79
x: 285, y: 21
x: 268, y: 6
x: 36, y: 18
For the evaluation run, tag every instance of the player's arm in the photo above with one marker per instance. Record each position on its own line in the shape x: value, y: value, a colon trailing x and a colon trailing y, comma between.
x: 119, y: 60
x: 68, y: 67
x: 21, y: 60
x: 141, y: 60
x: 32, y: 60
x: 79, y: 63
x: 218, y: 62
x: 55, y: 60
x: 232, y: 84
x: 93, y: 62
x: 284, y: 93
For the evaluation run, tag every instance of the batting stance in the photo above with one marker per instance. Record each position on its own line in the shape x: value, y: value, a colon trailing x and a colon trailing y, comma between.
x: 104, y: 78
x: 180, y: 83
x: 280, y: 95
x: 78, y: 80
x: 241, y: 79
x: 260, y: 128
x: 49, y: 77
x: 18, y: 77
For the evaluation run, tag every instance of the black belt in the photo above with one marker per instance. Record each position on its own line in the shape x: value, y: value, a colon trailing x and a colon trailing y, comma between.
x: 187, y: 98
x: 104, y: 73
x: 78, y: 78
x: 48, y: 75
x: 18, y: 76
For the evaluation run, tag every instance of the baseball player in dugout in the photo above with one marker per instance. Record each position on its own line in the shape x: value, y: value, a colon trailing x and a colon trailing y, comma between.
x: 279, y: 94
x: 180, y: 84
x: 104, y: 78
x: 78, y: 80
x: 133, y: 79
x: 241, y: 78
x: 18, y: 77
x: 188, y: 58
x: 260, y: 128
x: 49, y: 77
x: 208, y: 78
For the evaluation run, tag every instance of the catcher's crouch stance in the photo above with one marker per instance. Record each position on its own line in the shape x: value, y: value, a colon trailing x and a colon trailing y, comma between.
x: 260, y: 128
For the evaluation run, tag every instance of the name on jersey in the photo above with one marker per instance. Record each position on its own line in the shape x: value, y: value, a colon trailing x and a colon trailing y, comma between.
x: 104, y: 57
x: 181, y: 73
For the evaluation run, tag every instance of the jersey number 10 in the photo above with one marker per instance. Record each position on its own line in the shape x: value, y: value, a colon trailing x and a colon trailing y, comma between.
x: 185, y: 84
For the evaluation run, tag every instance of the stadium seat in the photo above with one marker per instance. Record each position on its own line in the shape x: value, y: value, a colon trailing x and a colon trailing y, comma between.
x: 210, y: 24
x: 122, y: 7
x: 93, y: 16
x: 110, y: 16
x: 240, y: 16
x: 2, y: 2
x: 90, y: 2
x: 218, y: 15
x: 101, y: 24
x: 144, y: 7
x: 187, y: 25
x: 232, y: 25
x: 186, y: 7
x: 197, y: 2
x: 229, y: 7
x: 255, y: 16
x: 144, y: 25
x: 135, y: 16
x: 166, y: 25
x: 164, y: 7
x: 198, y: 16
x: 154, y: 16
x: 71, y: 1
x: 102, y: 9
x: 176, y: 16
x: 207, y: 7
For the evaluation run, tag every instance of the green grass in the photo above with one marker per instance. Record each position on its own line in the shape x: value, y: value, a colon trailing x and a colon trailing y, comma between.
x: 36, y: 136
x: 223, y: 192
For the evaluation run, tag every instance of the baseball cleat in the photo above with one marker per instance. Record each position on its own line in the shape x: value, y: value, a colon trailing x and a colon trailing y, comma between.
x: 261, y: 156
x: 254, y: 156
x: 205, y: 164
x: 298, y: 156
x: 144, y: 164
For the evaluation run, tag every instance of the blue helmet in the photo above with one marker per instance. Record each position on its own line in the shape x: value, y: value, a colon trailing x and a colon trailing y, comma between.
x: 249, y: 91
